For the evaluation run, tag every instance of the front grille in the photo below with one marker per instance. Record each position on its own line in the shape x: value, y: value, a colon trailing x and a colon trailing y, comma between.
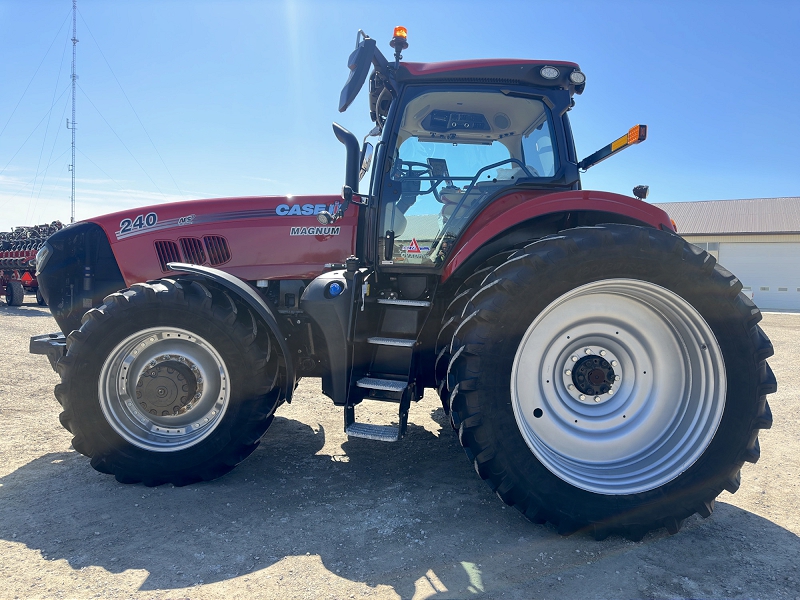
x: 217, y: 247
x: 193, y: 250
x: 167, y: 252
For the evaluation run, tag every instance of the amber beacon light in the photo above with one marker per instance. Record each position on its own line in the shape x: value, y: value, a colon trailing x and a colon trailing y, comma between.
x: 399, y: 43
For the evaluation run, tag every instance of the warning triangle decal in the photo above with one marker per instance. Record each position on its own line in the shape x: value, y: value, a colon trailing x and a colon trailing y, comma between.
x: 413, y: 246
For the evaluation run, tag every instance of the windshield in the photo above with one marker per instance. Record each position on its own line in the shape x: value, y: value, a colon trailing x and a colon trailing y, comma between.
x: 455, y: 149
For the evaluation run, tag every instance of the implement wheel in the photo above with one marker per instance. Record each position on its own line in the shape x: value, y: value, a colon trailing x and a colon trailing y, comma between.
x: 15, y: 293
x: 611, y: 379
x: 169, y: 381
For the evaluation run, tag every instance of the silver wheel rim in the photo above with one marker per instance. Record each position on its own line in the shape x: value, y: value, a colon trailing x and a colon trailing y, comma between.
x: 663, y: 406
x: 164, y: 389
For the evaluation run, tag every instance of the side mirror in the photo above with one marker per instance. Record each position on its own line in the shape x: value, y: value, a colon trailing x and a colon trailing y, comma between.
x: 358, y: 63
x: 366, y: 159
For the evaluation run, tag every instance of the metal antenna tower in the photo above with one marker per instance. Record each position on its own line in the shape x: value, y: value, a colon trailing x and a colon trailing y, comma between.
x: 72, y: 125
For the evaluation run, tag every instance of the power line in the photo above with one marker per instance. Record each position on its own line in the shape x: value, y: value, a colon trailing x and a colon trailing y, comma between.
x: 24, y: 187
x: 130, y: 104
x: 121, y: 142
x: 50, y: 158
x: 32, y: 132
x: 119, y: 185
x: 34, y: 75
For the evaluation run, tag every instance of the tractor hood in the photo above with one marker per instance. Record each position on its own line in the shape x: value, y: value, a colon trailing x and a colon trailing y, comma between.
x: 253, y: 238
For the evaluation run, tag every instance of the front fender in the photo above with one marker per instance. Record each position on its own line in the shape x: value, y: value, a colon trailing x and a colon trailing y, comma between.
x: 258, y: 304
x: 512, y: 209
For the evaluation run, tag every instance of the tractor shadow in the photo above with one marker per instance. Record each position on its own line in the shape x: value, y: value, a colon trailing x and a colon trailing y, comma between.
x: 29, y: 309
x: 412, y: 516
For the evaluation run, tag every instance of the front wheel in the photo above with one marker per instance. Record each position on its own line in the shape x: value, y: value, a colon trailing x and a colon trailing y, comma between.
x: 611, y: 379
x: 170, y: 381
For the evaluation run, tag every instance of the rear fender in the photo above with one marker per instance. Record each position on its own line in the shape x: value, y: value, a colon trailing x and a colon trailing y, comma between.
x: 519, y: 211
x: 263, y: 311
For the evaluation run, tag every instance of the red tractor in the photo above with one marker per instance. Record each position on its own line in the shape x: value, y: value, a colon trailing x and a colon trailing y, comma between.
x: 602, y: 373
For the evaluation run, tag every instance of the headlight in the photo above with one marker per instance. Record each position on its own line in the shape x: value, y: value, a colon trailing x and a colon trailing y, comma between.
x: 577, y: 77
x: 42, y: 256
x: 549, y: 72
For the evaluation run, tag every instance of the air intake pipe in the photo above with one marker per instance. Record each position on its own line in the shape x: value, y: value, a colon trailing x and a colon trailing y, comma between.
x: 353, y: 155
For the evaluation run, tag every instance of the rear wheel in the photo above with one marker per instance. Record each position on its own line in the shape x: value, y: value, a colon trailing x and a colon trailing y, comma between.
x: 611, y: 379
x: 170, y: 381
x: 15, y: 293
x: 39, y: 298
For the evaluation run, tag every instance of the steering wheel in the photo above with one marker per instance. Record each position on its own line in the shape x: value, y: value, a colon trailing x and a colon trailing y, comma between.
x: 405, y: 169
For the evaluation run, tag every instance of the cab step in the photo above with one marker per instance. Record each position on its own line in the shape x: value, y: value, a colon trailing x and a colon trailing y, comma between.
x: 386, y: 385
x: 380, y: 433
x: 408, y: 303
x: 387, y: 341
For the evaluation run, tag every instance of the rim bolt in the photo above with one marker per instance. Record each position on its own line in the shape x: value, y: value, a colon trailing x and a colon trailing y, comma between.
x: 597, y: 398
x: 568, y: 372
x: 582, y: 397
x: 602, y: 352
x: 614, y: 363
x: 610, y: 392
x: 588, y: 351
x: 617, y: 378
x: 570, y: 387
x: 574, y: 359
x: 197, y: 396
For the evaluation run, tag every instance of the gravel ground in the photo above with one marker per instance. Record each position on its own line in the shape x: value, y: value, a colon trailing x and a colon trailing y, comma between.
x: 313, y: 515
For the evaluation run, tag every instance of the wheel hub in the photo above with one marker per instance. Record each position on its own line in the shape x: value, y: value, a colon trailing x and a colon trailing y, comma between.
x: 593, y: 375
x: 167, y: 388
x: 590, y: 374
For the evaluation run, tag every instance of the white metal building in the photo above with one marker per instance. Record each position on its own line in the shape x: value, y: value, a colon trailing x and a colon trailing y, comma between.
x: 757, y: 240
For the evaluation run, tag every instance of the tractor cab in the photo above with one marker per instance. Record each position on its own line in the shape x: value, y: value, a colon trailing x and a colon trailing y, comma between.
x: 453, y: 137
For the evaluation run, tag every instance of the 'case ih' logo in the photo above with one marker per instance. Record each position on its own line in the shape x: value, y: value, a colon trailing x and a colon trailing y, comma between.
x: 314, y: 231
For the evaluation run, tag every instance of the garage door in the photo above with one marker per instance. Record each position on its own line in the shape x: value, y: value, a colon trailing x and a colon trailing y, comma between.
x: 770, y: 270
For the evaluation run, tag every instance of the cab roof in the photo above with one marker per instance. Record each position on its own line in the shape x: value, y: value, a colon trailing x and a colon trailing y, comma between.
x: 507, y: 71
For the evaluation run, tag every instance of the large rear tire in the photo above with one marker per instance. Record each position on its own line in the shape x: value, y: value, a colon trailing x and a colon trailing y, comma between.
x: 15, y: 293
x: 169, y: 381
x: 611, y: 379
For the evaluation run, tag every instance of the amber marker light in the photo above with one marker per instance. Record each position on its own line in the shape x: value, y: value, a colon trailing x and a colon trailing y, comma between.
x: 636, y: 134
x: 401, y: 32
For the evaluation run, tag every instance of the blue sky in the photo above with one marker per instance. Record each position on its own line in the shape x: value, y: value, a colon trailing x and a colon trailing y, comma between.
x: 210, y: 99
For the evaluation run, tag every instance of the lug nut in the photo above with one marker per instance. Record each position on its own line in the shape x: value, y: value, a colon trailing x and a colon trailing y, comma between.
x: 588, y: 351
x: 602, y: 352
x: 582, y: 397
x: 617, y: 378
x: 613, y: 363
x: 610, y: 392
x: 574, y: 359
x: 568, y: 372
x: 570, y: 387
x: 597, y: 398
